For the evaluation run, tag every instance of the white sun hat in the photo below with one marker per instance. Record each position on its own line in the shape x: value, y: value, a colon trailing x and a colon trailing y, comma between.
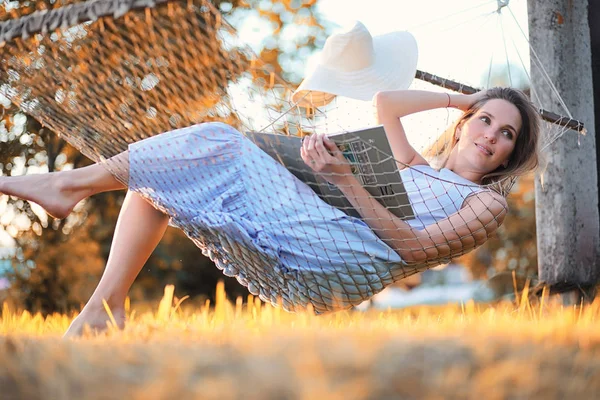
x: 356, y: 65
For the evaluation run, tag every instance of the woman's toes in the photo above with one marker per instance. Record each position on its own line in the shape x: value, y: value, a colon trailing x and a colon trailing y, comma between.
x: 94, y: 322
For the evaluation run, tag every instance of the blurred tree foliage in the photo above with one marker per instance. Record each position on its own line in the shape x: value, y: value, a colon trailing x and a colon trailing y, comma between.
x: 58, y: 263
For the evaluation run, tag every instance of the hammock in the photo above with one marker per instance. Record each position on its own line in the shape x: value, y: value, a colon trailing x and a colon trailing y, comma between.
x: 106, y: 74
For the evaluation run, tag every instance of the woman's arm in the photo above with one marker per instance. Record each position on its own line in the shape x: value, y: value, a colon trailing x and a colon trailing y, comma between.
x: 482, y: 213
x: 391, y: 106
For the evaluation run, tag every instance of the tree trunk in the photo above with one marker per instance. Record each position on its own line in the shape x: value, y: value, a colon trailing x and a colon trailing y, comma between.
x: 593, y: 18
x: 567, y: 202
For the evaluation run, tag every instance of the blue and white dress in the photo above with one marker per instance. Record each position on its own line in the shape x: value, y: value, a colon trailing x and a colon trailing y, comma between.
x: 265, y: 227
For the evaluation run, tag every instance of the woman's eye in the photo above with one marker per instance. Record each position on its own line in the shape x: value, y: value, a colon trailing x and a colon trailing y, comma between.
x: 485, y: 119
x: 507, y: 133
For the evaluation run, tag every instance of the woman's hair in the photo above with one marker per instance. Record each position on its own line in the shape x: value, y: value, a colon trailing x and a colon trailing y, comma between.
x: 525, y: 157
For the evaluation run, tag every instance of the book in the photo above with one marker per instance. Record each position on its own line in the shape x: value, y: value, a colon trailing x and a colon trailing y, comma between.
x: 369, y: 155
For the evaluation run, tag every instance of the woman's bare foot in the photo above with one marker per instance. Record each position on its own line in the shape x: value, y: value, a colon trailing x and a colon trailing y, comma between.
x: 96, y: 319
x: 52, y: 191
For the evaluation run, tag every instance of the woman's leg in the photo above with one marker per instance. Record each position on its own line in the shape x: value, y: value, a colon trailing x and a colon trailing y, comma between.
x: 59, y: 192
x: 139, y: 229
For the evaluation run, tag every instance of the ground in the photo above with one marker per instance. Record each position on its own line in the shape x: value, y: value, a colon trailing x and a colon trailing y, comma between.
x: 249, y: 350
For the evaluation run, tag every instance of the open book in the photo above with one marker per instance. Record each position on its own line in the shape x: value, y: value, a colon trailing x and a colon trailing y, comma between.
x: 370, y: 156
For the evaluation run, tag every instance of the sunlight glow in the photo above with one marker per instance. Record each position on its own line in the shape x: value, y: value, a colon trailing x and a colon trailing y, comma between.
x: 464, y: 40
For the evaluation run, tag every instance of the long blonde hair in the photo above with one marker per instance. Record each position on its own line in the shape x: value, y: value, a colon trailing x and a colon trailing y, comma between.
x: 525, y: 157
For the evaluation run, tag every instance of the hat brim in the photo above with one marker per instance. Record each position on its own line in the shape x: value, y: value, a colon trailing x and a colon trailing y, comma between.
x: 394, y: 68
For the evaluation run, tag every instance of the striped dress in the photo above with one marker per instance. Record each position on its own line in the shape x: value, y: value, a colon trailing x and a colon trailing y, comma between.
x: 260, y: 224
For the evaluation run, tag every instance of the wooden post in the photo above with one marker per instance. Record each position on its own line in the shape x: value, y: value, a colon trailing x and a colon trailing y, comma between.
x: 593, y: 18
x: 568, y: 222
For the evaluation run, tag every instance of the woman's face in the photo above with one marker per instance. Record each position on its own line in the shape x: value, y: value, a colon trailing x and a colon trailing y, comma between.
x: 487, y: 139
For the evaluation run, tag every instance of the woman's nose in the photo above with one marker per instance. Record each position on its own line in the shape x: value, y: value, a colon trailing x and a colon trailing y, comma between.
x: 490, y: 135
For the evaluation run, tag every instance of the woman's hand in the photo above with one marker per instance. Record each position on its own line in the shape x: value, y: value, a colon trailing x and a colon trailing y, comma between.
x: 323, y: 156
x: 465, y: 101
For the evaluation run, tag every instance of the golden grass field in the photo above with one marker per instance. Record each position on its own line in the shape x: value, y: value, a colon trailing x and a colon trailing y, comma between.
x: 249, y: 350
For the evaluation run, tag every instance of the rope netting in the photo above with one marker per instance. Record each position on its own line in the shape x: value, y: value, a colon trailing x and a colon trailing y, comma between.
x: 109, y: 77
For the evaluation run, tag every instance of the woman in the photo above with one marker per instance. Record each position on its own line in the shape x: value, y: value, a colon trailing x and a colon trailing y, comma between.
x: 262, y: 225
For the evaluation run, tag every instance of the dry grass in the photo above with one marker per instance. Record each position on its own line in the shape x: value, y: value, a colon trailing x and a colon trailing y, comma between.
x: 249, y: 351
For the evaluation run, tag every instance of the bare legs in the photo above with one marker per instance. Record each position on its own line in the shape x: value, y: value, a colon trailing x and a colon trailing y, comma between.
x: 139, y: 229
x: 59, y: 192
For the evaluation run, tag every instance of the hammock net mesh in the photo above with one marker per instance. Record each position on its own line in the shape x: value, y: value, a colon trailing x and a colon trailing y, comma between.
x: 137, y: 69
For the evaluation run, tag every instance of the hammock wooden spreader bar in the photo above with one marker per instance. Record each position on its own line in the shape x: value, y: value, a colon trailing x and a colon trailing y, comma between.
x: 462, y: 88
